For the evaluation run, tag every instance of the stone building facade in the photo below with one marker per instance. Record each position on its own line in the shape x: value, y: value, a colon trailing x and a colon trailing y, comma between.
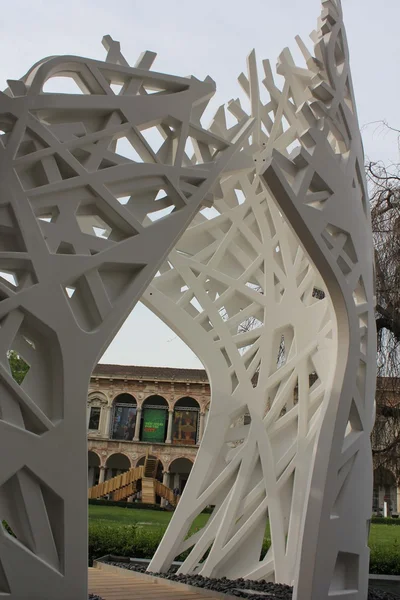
x: 132, y: 410
x: 386, y: 447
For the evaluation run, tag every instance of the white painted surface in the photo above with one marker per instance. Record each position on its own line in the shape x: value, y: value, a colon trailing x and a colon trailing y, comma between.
x: 296, y: 223
x: 79, y: 243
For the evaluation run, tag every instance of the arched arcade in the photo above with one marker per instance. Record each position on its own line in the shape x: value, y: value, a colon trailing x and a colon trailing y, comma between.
x: 385, y: 495
x: 124, y: 417
x: 178, y: 474
x: 93, y: 468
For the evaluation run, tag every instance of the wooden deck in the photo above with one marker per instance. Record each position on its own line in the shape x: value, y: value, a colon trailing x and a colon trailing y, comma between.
x: 119, y: 586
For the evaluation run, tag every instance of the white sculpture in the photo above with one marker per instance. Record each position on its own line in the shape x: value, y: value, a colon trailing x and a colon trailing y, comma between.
x: 83, y: 179
x: 286, y: 332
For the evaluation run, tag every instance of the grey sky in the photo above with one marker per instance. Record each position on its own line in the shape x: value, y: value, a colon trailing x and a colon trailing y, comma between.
x: 211, y: 37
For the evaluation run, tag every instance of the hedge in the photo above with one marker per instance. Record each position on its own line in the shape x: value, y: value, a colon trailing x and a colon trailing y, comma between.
x: 384, y: 561
x: 385, y: 521
x: 126, y: 541
x: 129, y: 541
x: 127, y: 504
x: 139, y: 542
x: 122, y: 504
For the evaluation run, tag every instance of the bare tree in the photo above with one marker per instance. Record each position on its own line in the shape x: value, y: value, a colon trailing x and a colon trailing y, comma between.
x: 384, y: 185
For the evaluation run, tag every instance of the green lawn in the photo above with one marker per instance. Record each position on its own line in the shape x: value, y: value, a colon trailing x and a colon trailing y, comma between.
x: 147, y: 520
x: 385, y: 536
x: 381, y: 535
x: 136, y: 516
x: 111, y: 532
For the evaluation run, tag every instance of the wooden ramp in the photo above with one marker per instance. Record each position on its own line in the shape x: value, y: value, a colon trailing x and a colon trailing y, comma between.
x: 120, y: 586
x: 148, y: 490
x: 125, y: 485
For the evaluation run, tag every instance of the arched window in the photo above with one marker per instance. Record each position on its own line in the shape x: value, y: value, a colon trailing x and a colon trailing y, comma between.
x: 93, y: 468
x: 116, y: 464
x: 179, y: 473
x: 94, y: 418
x: 385, y: 491
x: 154, y: 420
x: 124, y: 417
x: 96, y: 401
x: 160, y: 466
x: 186, y: 422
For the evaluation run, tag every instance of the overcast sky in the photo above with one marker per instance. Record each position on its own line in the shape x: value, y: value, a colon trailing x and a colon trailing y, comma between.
x: 210, y: 37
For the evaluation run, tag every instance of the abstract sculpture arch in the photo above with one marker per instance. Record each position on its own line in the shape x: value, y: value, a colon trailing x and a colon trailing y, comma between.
x: 271, y: 286
x: 304, y: 370
x: 79, y: 244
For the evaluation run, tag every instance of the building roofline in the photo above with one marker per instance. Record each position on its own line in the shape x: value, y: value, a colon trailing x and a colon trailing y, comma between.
x: 150, y: 373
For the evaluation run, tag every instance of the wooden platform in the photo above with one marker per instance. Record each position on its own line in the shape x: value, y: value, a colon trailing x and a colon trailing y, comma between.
x: 120, y: 586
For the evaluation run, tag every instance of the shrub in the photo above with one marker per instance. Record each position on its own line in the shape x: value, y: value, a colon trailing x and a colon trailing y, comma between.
x: 208, y: 510
x: 100, y: 502
x: 122, y: 504
x: 122, y: 540
x: 131, y: 541
x: 385, y: 560
x: 385, y: 521
x: 142, y: 542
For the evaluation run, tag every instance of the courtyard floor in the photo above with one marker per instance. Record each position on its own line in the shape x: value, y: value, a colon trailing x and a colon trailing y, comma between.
x: 113, y: 586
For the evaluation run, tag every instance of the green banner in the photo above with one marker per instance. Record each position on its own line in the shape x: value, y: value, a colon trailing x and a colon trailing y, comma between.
x: 154, y: 425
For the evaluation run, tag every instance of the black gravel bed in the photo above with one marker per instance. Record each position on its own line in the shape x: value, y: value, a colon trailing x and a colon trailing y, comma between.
x: 242, y: 588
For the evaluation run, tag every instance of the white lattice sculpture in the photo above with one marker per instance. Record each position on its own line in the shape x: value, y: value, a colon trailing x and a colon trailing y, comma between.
x: 286, y: 332
x: 79, y: 243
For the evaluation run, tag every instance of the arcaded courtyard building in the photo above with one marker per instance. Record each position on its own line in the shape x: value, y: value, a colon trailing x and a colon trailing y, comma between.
x: 132, y: 410
x: 163, y: 410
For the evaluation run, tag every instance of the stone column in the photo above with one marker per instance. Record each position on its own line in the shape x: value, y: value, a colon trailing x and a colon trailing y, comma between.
x: 107, y: 424
x: 169, y: 428
x: 166, y: 478
x: 381, y: 497
x: 201, y: 427
x: 102, y: 474
x: 166, y: 483
x: 137, y: 424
